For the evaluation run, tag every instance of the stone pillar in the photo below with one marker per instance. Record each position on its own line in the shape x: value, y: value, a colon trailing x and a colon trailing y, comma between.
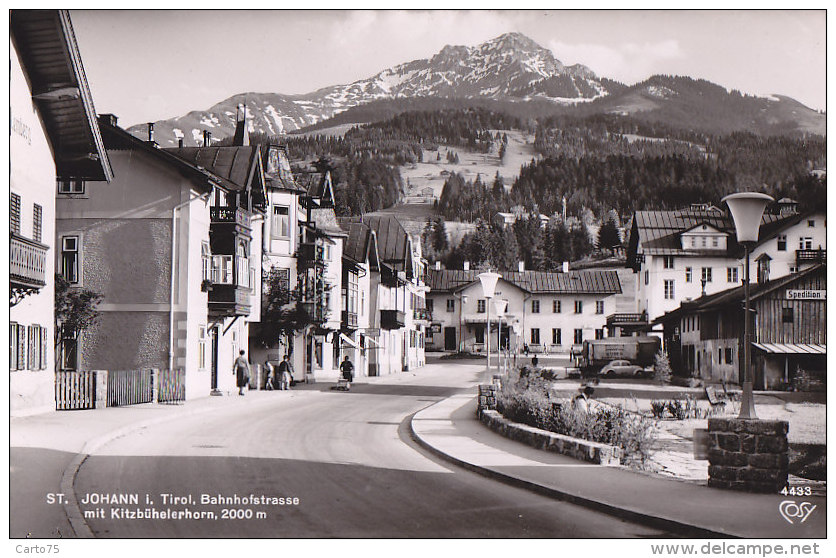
x: 101, y: 388
x: 748, y: 454
x: 487, y: 398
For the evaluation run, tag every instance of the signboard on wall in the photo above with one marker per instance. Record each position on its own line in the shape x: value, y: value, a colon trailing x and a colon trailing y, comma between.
x: 806, y: 295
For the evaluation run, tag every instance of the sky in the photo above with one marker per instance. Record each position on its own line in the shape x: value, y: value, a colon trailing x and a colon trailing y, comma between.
x: 151, y: 65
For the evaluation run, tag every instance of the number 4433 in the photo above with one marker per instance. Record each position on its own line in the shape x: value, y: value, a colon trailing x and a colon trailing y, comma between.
x: 797, y: 491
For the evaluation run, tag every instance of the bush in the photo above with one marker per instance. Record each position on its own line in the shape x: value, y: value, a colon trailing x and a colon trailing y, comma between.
x: 524, y: 398
x: 657, y: 408
x: 662, y: 368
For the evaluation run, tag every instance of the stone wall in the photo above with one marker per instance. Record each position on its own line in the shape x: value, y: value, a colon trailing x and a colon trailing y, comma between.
x: 748, y: 454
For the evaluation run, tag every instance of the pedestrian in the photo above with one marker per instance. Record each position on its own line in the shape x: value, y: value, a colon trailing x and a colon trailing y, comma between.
x: 269, y: 375
x: 580, y: 402
x: 534, y: 361
x: 525, y: 349
x: 284, y: 373
x: 347, y: 370
x: 241, y: 369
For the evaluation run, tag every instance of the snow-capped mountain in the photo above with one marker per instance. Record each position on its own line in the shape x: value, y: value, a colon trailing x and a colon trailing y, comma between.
x: 509, y: 67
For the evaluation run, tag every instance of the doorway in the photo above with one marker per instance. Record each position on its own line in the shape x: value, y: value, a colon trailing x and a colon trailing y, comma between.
x: 449, y: 338
x: 213, y: 334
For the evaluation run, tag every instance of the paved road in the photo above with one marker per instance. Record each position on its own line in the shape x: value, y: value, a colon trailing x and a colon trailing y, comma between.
x: 348, y: 459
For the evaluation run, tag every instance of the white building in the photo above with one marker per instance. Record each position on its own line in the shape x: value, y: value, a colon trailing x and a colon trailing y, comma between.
x: 681, y: 255
x: 547, y: 311
x: 53, y: 137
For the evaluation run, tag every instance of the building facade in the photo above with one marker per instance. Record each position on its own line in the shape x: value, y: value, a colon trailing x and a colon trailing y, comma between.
x: 549, y: 312
x: 704, y: 337
x: 54, y: 139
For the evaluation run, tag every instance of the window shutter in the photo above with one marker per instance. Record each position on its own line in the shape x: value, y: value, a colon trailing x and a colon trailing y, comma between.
x: 21, y: 347
x: 44, y: 341
x: 31, y: 349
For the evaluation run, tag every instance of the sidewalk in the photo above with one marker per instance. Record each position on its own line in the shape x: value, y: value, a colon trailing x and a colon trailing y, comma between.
x: 450, y: 429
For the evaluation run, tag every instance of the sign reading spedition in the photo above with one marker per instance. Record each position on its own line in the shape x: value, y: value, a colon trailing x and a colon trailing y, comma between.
x: 806, y: 295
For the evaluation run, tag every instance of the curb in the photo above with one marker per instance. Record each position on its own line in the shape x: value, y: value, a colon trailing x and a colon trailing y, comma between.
x: 690, y: 531
x: 71, y: 509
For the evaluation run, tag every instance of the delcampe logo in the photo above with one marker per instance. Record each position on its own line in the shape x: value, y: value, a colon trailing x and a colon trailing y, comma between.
x: 793, y: 511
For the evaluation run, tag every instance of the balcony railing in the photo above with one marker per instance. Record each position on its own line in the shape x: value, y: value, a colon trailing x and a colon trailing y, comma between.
x: 234, y: 215
x: 27, y: 262
x: 626, y: 319
x: 229, y: 300
x: 810, y: 256
x: 349, y: 319
x: 392, y: 319
x: 422, y: 314
x: 315, y: 311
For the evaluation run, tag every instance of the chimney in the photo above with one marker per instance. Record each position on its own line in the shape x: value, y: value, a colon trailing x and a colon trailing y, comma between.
x: 150, y: 131
x: 438, y: 266
x: 109, y: 119
x: 207, y: 138
x: 521, y: 266
x: 180, y: 142
x: 466, y: 266
x: 565, y: 267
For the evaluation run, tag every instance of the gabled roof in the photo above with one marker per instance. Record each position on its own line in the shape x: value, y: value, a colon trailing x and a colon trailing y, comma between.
x: 538, y: 282
x: 394, y: 245
x: 735, y: 295
x: 45, y: 42
x: 115, y: 138
x: 277, y: 172
x: 361, y: 244
x: 235, y: 164
x: 318, y: 186
x: 699, y: 225
x: 659, y: 232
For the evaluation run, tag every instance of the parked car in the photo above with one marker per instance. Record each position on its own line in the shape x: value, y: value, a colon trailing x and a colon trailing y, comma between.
x: 622, y: 368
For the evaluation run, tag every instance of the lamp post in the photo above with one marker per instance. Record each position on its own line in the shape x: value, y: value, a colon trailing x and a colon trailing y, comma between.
x: 747, y: 211
x: 488, y: 280
x: 462, y: 301
x: 500, y: 306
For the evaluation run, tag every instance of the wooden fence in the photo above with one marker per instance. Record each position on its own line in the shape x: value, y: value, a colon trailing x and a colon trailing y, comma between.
x: 129, y: 387
x: 171, y: 386
x: 75, y: 390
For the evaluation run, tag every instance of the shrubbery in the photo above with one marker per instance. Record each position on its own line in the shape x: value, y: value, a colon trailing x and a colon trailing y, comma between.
x: 525, y: 398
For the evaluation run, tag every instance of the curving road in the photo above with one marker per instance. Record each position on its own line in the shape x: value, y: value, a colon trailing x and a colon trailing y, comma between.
x: 348, y: 459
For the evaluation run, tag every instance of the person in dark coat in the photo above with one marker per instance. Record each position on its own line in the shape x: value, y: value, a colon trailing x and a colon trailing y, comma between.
x: 241, y: 369
x: 347, y: 370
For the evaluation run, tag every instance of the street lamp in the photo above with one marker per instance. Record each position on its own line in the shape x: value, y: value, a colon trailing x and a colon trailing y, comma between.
x: 488, y: 280
x: 462, y: 301
x: 500, y: 306
x: 747, y: 211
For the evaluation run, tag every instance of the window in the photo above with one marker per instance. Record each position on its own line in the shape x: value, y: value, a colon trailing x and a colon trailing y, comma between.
x: 688, y: 274
x: 731, y: 275
x: 714, y: 242
x: 38, y: 223
x: 668, y: 262
x: 787, y: 315
x: 556, y: 336
x: 599, y: 306
x: 703, y: 242
x: 811, y: 222
x: 805, y: 243
x: 201, y: 347
x: 69, y: 258
x: 31, y: 348
x: 429, y: 305
x: 706, y: 274
x: 782, y: 243
x: 280, y: 226
x: 729, y: 356
x: 70, y: 186
x: 556, y: 306
x: 578, y: 307
x: 451, y: 304
x: 242, y: 264
x: 206, y: 260
x: 480, y: 335
x: 222, y: 270
x: 14, y: 213
x: 669, y: 289
x: 17, y: 346
x: 646, y: 277
x: 480, y: 305
x: 793, y: 268
x: 578, y: 336
x: 535, y: 336
x: 599, y: 333
x: 535, y: 306
x: 719, y: 356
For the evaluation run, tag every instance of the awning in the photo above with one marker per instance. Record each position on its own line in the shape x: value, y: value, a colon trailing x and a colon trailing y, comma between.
x: 348, y: 341
x: 375, y: 342
x: 792, y: 348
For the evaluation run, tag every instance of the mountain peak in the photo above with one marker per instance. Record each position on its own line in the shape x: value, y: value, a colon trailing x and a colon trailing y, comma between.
x: 514, y: 40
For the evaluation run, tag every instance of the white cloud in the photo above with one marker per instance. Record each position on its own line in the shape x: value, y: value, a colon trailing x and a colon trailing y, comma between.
x: 627, y: 62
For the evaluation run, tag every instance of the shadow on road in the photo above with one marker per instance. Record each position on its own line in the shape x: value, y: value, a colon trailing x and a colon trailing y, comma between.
x: 407, y: 390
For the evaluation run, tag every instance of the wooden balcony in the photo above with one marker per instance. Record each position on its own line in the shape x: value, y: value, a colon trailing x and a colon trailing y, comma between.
x: 810, y: 256
x: 422, y: 315
x: 229, y: 300
x: 27, y: 263
x: 230, y: 215
x: 392, y: 319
